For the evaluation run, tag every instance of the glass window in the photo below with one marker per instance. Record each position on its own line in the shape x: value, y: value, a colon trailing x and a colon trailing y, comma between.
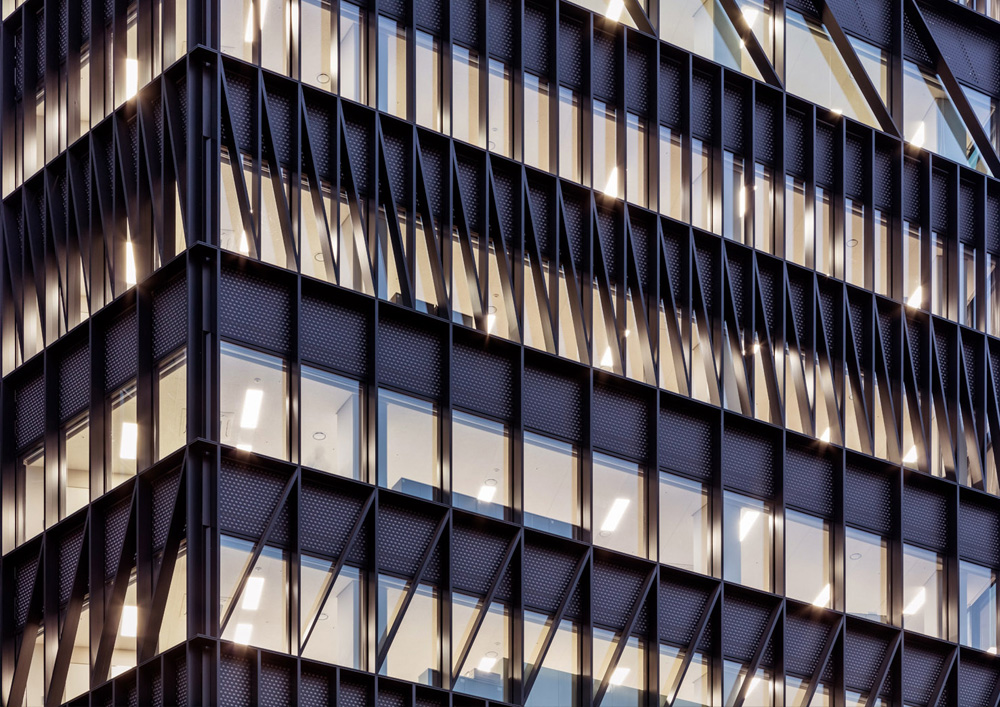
x: 317, y: 49
x: 911, y: 265
x: 696, y: 690
x: 551, y: 485
x: 536, y: 122
x: 391, y: 67
x: 557, y: 682
x: 671, y: 171
x: 480, y: 459
x: 408, y: 445
x: 854, y: 239
x: 605, y: 149
x: 626, y: 686
x: 882, y: 267
x: 332, y: 631
x: 747, y: 543
x: 570, y: 135
x: 993, y: 301
x: 260, y: 617
x: 331, y: 423
x: 823, y: 247
x: 808, y: 559
x: 74, y: 471
x: 275, y: 37
x: 619, y: 505
x: 931, y: 121
x: 978, y: 606
x: 254, y: 401
x: 485, y: 671
x: 685, y: 524
x: 465, y: 94
x: 815, y: 70
x: 415, y: 652
x: 352, y: 52
x: 703, y: 27
x: 798, y: 229
x: 797, y: 688
x: 171, y: 404
x: 236, y: 36
x: 763, y: 210
x: 867, y: 575
x: 939, y: 275
x: 30, y: 494
x: 734, y: 203
x: 923, y: 591
x: 760, y: 692
x: 967, y: 285
x: 636, y: 163
x: 123, y: 657
x: 500, y: 110
x: 701, y: 185
x: 78, y: 674
x: 429, y: 70
x: 124, y: 434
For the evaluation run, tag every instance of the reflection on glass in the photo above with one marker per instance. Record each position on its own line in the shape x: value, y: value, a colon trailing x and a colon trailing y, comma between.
x: 237, y: 34
x: 317, y: 49
x: 78, y: 675
x: 763, y: 210
x: 480, y: 460
x: 500, y: 110
x: 391, y: 67
x: 808, y: 559
x: 703, y: 27
x: 605, y: 149
x: 260, y: 616
x: 696, y: 690
x: 74, y: 469
x: 619, y: 505
x: 798, y: 229
x: 332, y: 631
x: 570, y: 135
x: 352, y: 52
x: 747, y: 544
x: 923, y: 591
x: 796, y: 690
x: 671, y: 171
x: 275, y: 37
x: 977, y: 606
x: 815, y: 70
x: 559, y: 671
x: 171, y: 404
x: 485, y: 671
x: 882, y: 266
x: 939, y: 275
x: 551, y: 485
x: 913, y: 292
x: 465, y: 94
x: 867, y: 575
x: 931, y: 121
x: 408, y: 445
x: 253, y: 401
x: 823, y: 252
x: 428, y: 63
x: 173, y: 626
x: 685, y: 524
x: 415, y: 652
x: 636, y: 167
x: 854, y: 240
x: 734, y: 201
x: 30, y: 489
x: 627, y: 682
x: 536, y: 122
x: 760, y: 692
x: 967, y: 285
x: 701, y: 185
x: 124, y: 434
x: 331, y: 423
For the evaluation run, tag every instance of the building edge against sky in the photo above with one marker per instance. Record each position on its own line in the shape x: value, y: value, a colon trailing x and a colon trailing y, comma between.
x: 638, y: 352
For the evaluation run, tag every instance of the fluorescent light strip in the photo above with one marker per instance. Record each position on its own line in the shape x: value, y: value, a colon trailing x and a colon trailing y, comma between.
x: 748, y: 518
x: 486, y: 664
x: 614, y: 516
x: 916, y: 603
x: 130, y: 621
x: 486, y: 493
x: 252, y: 593
x: 911, y: 455
x: 130, y: 438
x: 130, y: 276
x: 251, y: 408
x: 243, y: 633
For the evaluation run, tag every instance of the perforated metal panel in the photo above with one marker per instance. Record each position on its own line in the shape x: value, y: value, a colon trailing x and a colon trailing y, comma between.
x: 465, y: 21
x: 868, y: 501
x: 74, y: 382
x: 604, y: 66
x: 553, y: 404
x: 115, y: 527
x: 620, y: 423
x: 744, y: 622
x: 571, y: 52
x: 701, y: 105
x: 824, y: 160
x: 410, y: 359
x: 235, y: 674
x: 637, y: 87
x: 804, y: 641
x: 276, y: 681
x: 476, y: 555
x: 670, y: 92
x: 795, y: 144
x: 254, y: 310
x: 121, y: 350
x: 925, y: 517
x: 29, y: 411
x: 616, y: 589
x: 314, y: 689
x: 977, y: 678
x: 403, y: 538
x: 326, y: 517
x: 809, y: 481
x: 732, y: 125
x: 854, y: 168
x: 334, y: 336
x: 681, y: 607
x: 482, y: 381
x: 979, y: 532
x: 547, y: 574
x: 749, y: 462
x: 247, y: 497
x: 69, y: 548
x: 863, y: 653
x: 920, y: 673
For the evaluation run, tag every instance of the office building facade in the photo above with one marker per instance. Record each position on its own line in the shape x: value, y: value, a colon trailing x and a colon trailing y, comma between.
x: 494, y: 352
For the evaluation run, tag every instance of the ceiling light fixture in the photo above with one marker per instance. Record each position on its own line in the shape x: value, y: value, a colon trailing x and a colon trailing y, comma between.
x: 825, y: 437
x: 486, y: 493
x: 130, y: 437
x: 486, y: 664
x: 245, y: 447
x: 619, y: 676
x: 911, y: 456
x: 243, y: 633
x: 916, y: 603
x: 253, y: 593
x: 748, y: 518
x: 615, y: 515
x: 251, y: 408
x: 130, y: 276
x: 130, y: 621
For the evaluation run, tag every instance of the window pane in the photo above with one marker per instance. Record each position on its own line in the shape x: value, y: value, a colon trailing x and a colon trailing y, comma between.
x: 408, y: 444
x: 261, y: 614
x: 636, y: 169
x: 763, y: 210
x: 605, y: 149
x: 619, y: 505
x: 747, y: 541
x: 702, y: 26
x: 978, y: 606
x: 823, y: 251
x: 854, y: 239
x: 237, y: 34
x: 30, y: 494
x: 465, y: 95
x: 551, y: 485
x: 807, y: 559
x: 798, y: 230
x: 485, y: 671
x: 480, y: 459
x: 415, y: 652
x: 74, y: 473
x: 701, y: 185
x: 882, y: 267
x: 627, y: 684
x: 254, y: 401
x: 939, y: 275
x: 124, y: 435
x: 274, y: 35
x: 334, y: 628
x: 867, y: 575
x: 734, y: 197
x: 923, y: 591
x: 78, y: 675
x: 760, y: 692
x: 173, y: 626
x: 930, y: 119
x: 500, y: 109
x: 317, y: 49
x: 352, y: 53
x: 391, y: 67
x: 171, y: 404
x: 536, y: 122
x: 331, y: 423
x: 685, y: 524
x: 558, y: 675
x: 671, y: 188
x: 570, y: 135
x: 967, y: 285
x: 429, y: 71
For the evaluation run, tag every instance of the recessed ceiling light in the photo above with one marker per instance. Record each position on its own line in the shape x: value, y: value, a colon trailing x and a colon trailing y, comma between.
x: 852, y: 242
x: 318, y: 257
x: 855, y: 555
x: 319, y: 436
x: 323, y: 78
